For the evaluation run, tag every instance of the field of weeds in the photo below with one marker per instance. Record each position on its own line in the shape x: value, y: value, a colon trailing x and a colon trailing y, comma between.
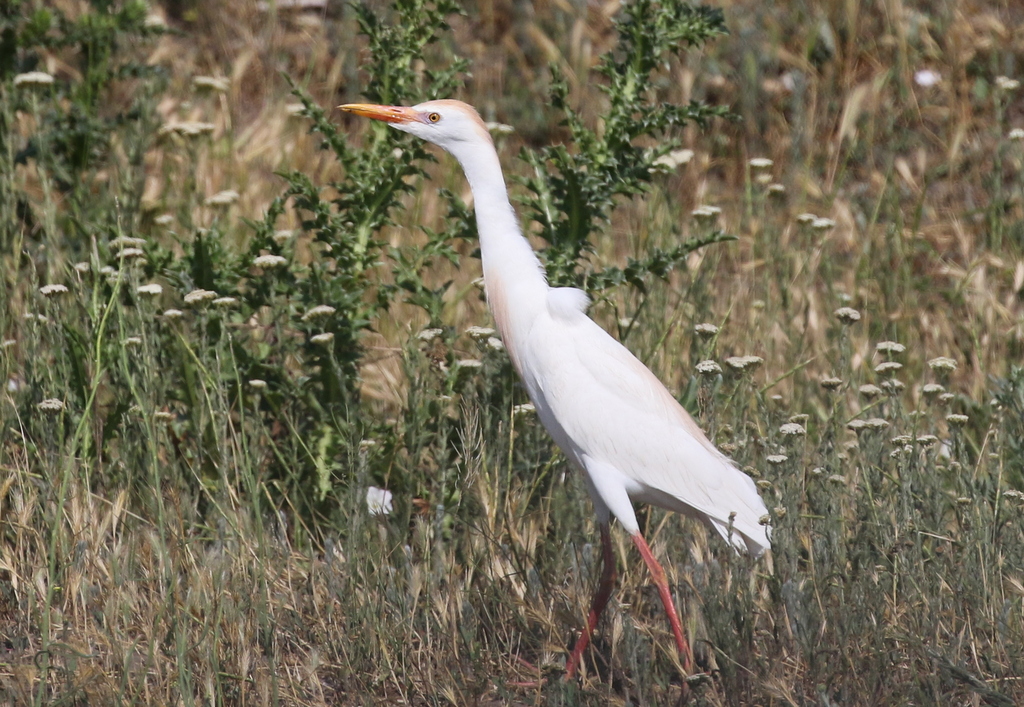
x: 260, y: 445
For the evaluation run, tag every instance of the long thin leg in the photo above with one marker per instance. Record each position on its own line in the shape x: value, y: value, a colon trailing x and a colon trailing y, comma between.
x: 658, y: 575
x: 597, y: 604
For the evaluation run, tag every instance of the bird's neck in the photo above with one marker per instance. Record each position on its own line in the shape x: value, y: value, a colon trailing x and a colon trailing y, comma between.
x: 507, y: 256
x: 513, y: 276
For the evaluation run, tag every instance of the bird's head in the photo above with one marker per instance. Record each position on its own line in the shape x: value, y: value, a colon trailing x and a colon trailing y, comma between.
x: 446, y: 123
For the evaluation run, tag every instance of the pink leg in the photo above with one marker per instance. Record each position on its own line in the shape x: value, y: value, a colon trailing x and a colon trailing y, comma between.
x: 597, y: 604
x: 658, y: 575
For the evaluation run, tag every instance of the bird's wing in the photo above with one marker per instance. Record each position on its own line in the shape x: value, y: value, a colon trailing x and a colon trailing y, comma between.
x: 610, y: 407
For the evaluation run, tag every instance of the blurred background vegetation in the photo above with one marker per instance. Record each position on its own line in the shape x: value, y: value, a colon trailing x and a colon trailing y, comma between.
x: 259, y: 445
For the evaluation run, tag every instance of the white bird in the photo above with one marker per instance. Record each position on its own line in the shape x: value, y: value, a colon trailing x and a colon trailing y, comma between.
x: 608, y: 413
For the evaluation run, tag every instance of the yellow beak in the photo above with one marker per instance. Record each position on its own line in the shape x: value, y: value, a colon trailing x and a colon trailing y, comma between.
x: 389, y: 114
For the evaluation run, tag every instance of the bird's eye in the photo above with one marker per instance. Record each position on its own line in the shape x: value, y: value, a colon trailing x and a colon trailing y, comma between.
x: 434, y: 117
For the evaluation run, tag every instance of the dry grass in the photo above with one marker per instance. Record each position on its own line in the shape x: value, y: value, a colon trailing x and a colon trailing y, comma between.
x: 130, y: 576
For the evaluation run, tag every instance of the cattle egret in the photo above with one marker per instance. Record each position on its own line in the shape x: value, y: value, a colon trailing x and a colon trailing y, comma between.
x: 610, y: 415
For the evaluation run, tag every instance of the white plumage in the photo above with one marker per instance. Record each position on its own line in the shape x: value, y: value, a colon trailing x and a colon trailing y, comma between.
x: 609, y: 414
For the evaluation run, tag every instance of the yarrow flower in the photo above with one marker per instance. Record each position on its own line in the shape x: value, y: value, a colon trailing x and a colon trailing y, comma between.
x: 199, y: 296
x: 674, y: 159
x: 33, y: 78
x: 893, y: 385
x: 888, y: 367
x: 890, y: 347
x: 378, y: 501
x: 318, y: 312
x: 705, y: 330
x: 82, y: 268
x: 831, y: 383
x: 164, y: 220
x: 741, y: 363
x: 760, y: 163
x: 173, y: 314
x: 468, y: 363
x: 429, y: 334
x: 499, y: 128
x: 807, y: 218
x: 847, y: 315
x: 776, y: 458
x: 133, y: 341
x: 524, y: 409
x: 131, y: 253
x: 1016, y: 135
x: 942, y: 363
x: 322, y: 338
x: 187, y: 129
x: 281, y: 237
x: 216, y: 84
x: 495, y: 344
x: 957, y: 420
x: 52, y: 290
x: 932, y: 389
x: 708, y: 368
x: 480, y: 332
x: 257, y: 384
x: 706, y: 213
x: 51, y: 405
x: 222, y: 198
x: 269, y: 261
x: 792, y: 429
x: 1005, y: 83
x: 870, y: 391
x: 225, y: 302
x: 127, y: 242
x: 823, y: 224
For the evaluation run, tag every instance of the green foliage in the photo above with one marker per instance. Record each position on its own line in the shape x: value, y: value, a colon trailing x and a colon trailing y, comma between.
x: 1009, y: 395
x: 572, y: 192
